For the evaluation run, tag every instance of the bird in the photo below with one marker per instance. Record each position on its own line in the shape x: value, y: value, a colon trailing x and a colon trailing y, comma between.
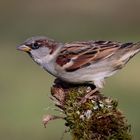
x: 80, y: 62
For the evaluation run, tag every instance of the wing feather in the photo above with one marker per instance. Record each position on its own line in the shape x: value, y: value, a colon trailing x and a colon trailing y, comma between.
x: 81, y: 54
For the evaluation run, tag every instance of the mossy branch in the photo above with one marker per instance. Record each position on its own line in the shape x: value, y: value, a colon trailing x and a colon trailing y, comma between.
x: 96, y: 119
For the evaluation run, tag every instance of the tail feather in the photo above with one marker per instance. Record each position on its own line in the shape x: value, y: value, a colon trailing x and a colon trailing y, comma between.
x: 136, y: 46
x: 126, y: 53
x: 130, y: 51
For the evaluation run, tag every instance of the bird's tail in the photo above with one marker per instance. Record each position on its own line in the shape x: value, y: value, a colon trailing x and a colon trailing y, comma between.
x: 134, y: 49
x: 136, y: 46
x: 128, y: 51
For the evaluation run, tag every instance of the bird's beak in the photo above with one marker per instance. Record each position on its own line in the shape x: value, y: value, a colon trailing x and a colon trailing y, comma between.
x: 24, y: 48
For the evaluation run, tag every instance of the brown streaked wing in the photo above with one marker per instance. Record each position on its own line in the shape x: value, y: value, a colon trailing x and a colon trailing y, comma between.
x: 85, y: 53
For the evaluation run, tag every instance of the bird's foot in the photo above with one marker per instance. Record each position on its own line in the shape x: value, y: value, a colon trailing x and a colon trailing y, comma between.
x: 89, y: 95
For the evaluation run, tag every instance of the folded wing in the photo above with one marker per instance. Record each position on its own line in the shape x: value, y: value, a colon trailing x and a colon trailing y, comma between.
x: 78, y: 55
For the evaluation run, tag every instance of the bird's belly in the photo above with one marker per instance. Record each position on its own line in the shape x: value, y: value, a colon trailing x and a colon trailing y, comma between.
x: 88, y: 74
x: 85, y: 78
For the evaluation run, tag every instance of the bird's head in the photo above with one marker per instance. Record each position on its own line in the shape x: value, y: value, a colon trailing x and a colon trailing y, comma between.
x: 39, y: 47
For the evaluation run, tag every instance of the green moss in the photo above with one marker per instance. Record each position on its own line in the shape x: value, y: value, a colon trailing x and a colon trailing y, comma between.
x: 96, y: 119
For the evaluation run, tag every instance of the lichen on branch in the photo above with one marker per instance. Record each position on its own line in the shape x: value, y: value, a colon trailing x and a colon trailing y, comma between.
x: 98, y: 118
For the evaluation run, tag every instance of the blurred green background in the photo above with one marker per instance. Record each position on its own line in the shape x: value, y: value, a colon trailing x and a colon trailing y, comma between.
x: 25, y: 87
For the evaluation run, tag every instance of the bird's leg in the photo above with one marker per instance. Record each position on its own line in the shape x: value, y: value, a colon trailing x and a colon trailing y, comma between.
x: 88, y: 95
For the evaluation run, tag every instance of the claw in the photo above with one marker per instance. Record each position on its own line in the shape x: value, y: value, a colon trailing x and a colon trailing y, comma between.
x: 88, y: 96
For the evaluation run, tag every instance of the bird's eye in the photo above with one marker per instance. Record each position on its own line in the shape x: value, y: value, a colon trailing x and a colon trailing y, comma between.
x: 35, y: 46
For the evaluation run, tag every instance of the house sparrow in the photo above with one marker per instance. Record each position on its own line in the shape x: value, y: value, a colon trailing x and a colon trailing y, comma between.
x: 80, y: 62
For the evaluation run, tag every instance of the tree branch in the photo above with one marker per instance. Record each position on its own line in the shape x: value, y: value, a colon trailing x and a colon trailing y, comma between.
x: 98, y: 118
